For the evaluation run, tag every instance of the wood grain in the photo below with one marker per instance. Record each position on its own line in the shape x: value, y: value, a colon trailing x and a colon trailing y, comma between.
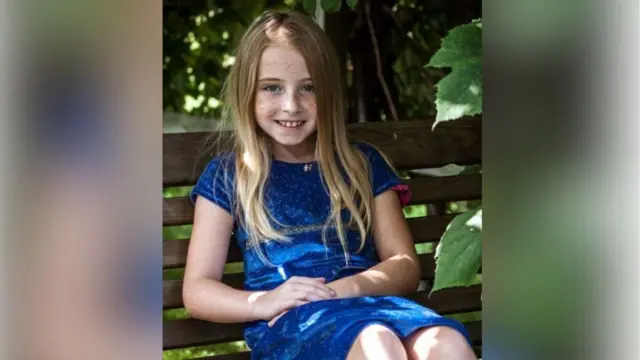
x: 410, y: 145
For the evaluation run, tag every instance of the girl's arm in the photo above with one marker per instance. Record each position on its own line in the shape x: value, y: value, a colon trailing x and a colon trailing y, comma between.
x: 398, y: 272
x: 205, y: 297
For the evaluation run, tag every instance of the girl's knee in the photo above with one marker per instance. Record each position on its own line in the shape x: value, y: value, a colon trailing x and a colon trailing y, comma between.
x: 380, y: 334
x: 377, y: 342
x: 439, y: 342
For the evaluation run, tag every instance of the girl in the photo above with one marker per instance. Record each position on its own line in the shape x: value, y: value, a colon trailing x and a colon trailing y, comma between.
x: 319, y: 219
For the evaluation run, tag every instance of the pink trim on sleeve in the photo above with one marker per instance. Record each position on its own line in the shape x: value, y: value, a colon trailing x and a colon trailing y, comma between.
x: 404, y: 193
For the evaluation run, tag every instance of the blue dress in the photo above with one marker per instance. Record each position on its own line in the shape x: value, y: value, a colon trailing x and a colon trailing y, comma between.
x: 325, y: 329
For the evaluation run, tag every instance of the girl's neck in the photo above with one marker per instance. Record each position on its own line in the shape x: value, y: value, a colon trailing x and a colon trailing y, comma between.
x: 301, y: 153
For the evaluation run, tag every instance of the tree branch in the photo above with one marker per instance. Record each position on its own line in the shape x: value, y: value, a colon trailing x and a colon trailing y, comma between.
x: 374, y: 41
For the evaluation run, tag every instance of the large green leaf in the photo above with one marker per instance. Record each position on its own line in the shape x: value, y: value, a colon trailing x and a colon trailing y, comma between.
x: 309, y: 6
x: 459, y: 253
x: 460, y: 92
x: 352, y: 3
x: 331, y: 5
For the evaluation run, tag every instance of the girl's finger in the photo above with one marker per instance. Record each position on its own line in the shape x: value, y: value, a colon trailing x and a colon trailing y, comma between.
x: 321, y: 291
x: 273, y: 321
x: 316, y: 283
x: 309, y: 296
x: 294, y: 302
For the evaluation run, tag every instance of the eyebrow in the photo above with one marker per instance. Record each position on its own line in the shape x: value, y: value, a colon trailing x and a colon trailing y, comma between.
x: 277, y: 79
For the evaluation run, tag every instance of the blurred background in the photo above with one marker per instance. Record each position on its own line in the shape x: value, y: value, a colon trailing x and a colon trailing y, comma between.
x: 85, y: 100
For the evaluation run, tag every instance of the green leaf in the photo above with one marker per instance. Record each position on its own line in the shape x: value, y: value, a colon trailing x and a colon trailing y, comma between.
x: 331, y: 5
x: 352, y: 3
x: 459, y: 253
x: 309, y: 6
x: 460, y: 92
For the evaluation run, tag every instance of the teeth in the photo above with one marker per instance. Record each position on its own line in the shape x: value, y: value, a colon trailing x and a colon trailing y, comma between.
x: 290, y: 124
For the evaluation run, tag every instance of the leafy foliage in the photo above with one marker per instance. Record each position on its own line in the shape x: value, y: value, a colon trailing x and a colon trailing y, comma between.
x: 460, y: 92
x: 326, y: 5
x: 198, y: 43
x: 331, y: 5
x: 459, y: 252
x: 207, y: 350
x: 420, y: 34
x: 310, y: 6
x: 200, y: 38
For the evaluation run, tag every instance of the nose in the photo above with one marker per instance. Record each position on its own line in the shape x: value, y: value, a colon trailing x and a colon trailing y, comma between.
x: 290, y: 102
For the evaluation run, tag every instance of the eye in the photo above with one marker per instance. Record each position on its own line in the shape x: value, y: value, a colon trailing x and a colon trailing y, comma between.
x: 307, y: 88
x: 272, y: 88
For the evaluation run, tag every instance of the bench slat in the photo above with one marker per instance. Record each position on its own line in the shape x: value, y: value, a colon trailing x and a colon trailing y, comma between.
x: 179, y: 210
x: 172, y: 289
x: 427, y: 190
x: 410, y: 144
x: 424, y: 229
x: 191, y: 332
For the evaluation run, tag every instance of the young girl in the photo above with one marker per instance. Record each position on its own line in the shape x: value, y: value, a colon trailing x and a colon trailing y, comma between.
x: 319, y: 219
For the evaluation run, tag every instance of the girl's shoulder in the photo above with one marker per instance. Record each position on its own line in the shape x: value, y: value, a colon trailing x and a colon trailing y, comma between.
x: 224, y: 161
x: 220, y: 166
x: 365, y: 147
x: 371, y: 152
x: 383, y: 173
x: 217, y: 180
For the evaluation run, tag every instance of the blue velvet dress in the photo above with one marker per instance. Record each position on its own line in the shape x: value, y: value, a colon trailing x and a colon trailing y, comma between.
x: 325, y: 329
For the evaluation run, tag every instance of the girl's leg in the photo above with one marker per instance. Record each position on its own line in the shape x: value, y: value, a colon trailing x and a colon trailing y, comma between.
x: 377, y: 342
x: 438, y: 342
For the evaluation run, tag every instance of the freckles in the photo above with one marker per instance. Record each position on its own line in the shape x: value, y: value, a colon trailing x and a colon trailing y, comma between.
x: 261, y: 106
x: 264, y: 104
x: 259, y: 103
x: 311, y: 105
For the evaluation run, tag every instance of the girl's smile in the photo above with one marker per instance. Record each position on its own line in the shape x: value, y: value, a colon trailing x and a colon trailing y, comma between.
x: 285, y: 101
x: 290, y: 124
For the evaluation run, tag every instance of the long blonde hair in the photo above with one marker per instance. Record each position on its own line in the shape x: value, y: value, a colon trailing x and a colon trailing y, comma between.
x: 251, y: 145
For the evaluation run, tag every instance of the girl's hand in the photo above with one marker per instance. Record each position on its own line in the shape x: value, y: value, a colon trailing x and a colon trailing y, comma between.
x: 273, y: 321
x: 294, y: 292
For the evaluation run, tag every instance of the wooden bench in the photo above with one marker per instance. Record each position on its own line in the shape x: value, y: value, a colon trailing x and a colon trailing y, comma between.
x: 410, y: 145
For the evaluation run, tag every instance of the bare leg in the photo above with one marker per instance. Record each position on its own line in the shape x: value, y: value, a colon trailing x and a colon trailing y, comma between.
x: 438, y: 342
x: 377, y: 342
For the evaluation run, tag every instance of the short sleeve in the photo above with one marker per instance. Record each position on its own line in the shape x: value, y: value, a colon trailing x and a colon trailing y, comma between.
x: 216, y: 183
x: 383, y: 176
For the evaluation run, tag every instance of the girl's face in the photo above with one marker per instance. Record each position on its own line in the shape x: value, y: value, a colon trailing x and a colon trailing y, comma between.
x: 285, y: 102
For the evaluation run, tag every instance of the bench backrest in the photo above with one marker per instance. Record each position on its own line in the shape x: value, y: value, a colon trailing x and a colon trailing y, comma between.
x: 409, y: 144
